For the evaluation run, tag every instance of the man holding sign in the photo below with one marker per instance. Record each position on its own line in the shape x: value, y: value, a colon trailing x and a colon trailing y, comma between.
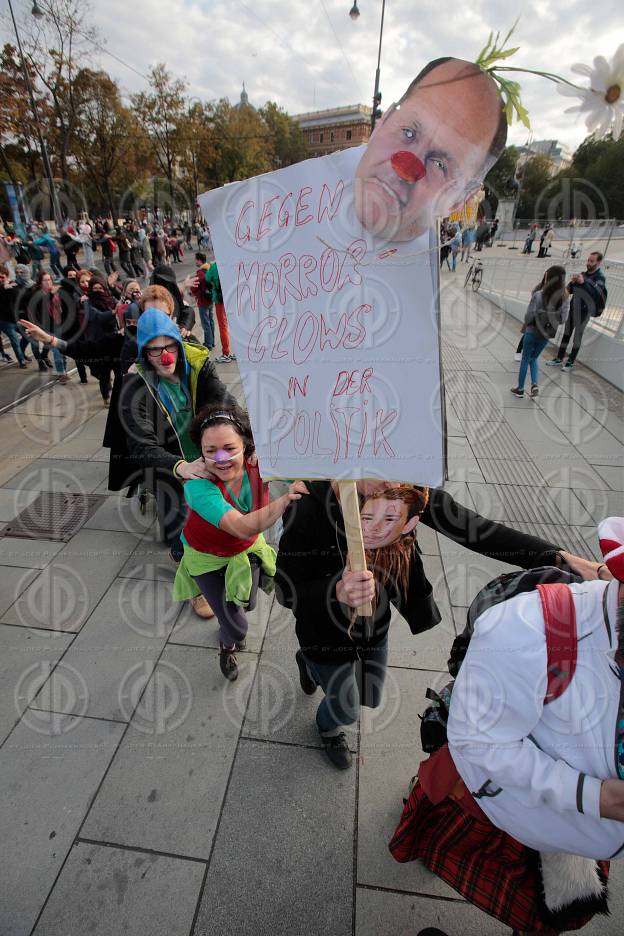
x: 341, y: 651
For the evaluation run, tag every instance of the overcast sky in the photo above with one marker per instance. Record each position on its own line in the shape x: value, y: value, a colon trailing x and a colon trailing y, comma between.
x: 308, y: 54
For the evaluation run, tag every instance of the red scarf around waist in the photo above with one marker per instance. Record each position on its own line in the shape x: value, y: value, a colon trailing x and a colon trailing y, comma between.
x: 206, y: 537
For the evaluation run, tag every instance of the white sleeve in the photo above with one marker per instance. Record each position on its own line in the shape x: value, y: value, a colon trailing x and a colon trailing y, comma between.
x: 496, y: 703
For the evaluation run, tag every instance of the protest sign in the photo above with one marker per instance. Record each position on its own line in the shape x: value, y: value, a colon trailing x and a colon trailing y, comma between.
x: 335, y: 328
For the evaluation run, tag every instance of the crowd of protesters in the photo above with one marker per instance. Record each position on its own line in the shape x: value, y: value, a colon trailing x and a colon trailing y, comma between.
x: 173, y: 429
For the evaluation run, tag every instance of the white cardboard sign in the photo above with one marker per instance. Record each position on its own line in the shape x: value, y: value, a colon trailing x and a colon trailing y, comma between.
x: 336, y: 331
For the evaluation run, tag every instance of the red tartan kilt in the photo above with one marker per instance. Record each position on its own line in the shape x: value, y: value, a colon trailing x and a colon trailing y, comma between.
x: 489, y: 868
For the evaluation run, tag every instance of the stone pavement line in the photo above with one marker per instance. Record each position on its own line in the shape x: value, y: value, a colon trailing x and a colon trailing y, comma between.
x: 92, y: 800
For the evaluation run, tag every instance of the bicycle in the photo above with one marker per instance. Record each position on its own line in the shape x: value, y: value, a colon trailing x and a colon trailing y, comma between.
x: 475, y: 273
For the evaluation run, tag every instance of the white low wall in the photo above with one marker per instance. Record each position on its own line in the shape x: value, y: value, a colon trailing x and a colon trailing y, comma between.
x: 602, y: 353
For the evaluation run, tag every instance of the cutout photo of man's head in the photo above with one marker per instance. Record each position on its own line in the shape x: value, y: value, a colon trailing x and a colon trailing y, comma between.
x: 430, y: 151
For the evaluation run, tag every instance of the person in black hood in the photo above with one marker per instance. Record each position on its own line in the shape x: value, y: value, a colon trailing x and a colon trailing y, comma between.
x: 183, y: 314
x: 313, y: 580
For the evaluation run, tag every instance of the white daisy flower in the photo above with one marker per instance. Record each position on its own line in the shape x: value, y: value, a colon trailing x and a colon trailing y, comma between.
x: 603, y: 100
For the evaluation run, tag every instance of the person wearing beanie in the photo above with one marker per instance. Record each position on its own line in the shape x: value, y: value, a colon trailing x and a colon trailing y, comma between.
x: 173, y: 379
x: 523, y: 810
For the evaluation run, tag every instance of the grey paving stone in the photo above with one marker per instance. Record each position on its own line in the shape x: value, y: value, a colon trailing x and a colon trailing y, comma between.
x: 603, y: 449
x: 380, y: 912
x: 462, y: 464
x: 55, y: 474
x: 535, y: 425
x: 508, y: 471
x: 192, y: 630
x: 509, y: 503
x: 12, y: 584
x: 150, y: 559
x: 287, y: 832
x: 165, y: 788
x: 80, y: 448
x: 613, y: 476
x: 573, y: 472
x: 428, y: 650
x: 27, y: 553
x: 13, y: 502
x: 503, y: 443
x: 467, y: 572
x: 601, y: 504
x: 427, y: 540
x: 63, y: 596
x: 567, y: 537
x: 123, y: 514
x: 104, y: 891
x: 391, y: 735
x: 47, y: 783
x: 128, y: 629
x: 26, y: 657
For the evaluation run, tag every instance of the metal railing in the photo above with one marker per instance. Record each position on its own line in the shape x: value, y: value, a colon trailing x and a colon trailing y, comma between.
x: 516, y: 277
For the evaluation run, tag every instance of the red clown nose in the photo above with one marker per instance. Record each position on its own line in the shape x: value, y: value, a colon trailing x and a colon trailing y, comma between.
x: 408, y: 167
x: 167, y: 358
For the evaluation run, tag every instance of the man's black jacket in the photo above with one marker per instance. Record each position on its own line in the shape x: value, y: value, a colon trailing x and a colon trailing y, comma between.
x: 590, y: 297
x: 311, y: 559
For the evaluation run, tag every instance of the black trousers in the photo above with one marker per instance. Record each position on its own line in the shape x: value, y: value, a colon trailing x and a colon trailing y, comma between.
x: 576, y: 323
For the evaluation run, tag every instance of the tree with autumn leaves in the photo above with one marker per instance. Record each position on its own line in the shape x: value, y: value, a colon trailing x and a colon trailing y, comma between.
x: 111, y: 152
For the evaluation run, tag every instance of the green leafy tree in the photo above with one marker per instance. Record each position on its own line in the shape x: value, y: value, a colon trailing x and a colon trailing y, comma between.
x: 161, y: 112
x: 110, y: 151
x: 55, y: 45
x: 535, y: 176
x: 286, y: 138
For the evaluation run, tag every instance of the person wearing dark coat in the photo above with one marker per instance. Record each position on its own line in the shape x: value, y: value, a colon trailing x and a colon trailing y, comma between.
x: 140, y: 431
x: 314, y: 582
x: 183, y: 314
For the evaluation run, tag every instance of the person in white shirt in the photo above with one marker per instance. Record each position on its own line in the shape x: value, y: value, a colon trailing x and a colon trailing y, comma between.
x: 524, y: 808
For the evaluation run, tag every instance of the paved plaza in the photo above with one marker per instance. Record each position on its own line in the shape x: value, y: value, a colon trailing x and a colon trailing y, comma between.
x: 144, y: 795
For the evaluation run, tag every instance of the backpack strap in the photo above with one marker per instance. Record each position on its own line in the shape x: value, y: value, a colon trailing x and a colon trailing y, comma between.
x: 561, y: 642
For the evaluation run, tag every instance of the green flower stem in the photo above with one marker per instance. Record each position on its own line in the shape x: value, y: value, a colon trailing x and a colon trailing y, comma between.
x: 531, y: 71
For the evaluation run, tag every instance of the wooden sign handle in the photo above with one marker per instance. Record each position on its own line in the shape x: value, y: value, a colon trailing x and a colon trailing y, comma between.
x: 350, y: 506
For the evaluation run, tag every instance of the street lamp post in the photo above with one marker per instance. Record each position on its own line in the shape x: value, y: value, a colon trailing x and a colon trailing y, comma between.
x: 377, y: 93
x: 37, y: 11
x: 354, y: 14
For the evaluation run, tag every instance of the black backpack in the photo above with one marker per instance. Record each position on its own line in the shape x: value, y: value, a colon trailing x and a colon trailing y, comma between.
x: 435, y: 718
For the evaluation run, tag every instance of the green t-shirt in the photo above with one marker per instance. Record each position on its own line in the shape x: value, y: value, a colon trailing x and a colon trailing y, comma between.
x: 206, y: 499
x: 182, y: 416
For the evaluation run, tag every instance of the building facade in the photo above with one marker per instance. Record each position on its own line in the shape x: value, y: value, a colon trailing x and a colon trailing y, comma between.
x: 555, y: 152
x: 336, y: 128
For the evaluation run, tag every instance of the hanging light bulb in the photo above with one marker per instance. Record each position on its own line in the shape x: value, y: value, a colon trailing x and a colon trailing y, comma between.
x: 354, y: 12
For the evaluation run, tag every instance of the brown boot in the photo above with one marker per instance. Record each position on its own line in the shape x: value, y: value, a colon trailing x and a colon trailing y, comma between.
x: 201, y: 607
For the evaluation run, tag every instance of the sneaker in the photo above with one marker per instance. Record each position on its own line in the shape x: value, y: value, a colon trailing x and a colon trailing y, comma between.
x: 227, y: 663
x: 63, y: 378
x: 201, y: 607
x: 232, y: 356
x: 241, y: 644
x: 42, y: 367
x: 308, y: 684
x: 222, y: 359
x: 338, y: 751
x: 22, y: 365
x: 518, y: 356
x: 554, y: 363
x: 106, y: 402
x: 534, y: 390
x: 568, y: 366
x: 517, y: 392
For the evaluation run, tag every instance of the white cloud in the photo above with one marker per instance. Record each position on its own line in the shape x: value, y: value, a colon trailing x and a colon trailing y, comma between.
x: 289, y: 52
